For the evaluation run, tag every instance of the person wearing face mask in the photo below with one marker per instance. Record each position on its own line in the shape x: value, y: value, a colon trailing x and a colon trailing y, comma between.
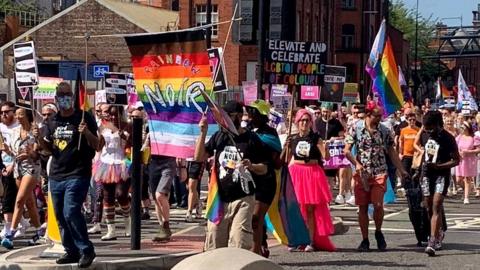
x: 70, y: 172
x: 238, y: 159
x: 26, y: 172
x: 265, y: 185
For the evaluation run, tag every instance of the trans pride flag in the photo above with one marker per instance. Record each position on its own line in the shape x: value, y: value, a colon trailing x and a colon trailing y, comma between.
x: 382, y: 68
x: 170, y: 69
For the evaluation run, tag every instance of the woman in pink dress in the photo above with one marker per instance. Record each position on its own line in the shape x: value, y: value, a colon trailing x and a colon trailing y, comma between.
x: 468, y: 147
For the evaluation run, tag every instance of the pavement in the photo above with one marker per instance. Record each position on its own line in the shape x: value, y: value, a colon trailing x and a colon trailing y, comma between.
x: 461, y: 248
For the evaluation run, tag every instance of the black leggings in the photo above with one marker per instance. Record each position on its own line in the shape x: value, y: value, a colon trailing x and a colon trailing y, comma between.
x: 10, y: 191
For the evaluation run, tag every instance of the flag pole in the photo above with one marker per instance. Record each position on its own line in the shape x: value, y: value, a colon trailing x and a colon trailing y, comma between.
x: 87, y: 37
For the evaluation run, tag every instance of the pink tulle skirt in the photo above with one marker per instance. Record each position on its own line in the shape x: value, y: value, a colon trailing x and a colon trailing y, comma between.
x: 109, y: 173
x: 312, y: 190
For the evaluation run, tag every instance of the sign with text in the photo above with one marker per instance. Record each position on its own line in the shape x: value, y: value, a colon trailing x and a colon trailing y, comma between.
x: 282, y: 104
x: 294, y: 62
x: 46, y: 88
x: 249, y: 92
x: 350, y: 93
x: 215, y: 55
x: 23, y: 96
x: 334, y: 81
x: 117, y: 86
x: 274, y: 119
x: 279, y: 90
x: 309, y: 92
x: 26, y: 70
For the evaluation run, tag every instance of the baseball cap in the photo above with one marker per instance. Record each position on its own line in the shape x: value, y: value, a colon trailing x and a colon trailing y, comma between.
x: 262, y: 107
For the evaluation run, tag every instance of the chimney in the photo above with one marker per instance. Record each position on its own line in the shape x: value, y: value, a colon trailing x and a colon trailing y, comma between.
x: 476, y: 16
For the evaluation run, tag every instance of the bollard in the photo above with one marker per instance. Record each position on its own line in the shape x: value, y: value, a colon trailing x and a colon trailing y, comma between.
x: 136, y: 184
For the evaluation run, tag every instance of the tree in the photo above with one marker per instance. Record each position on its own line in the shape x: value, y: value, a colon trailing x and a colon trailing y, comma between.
x: 404, y: 19
x: 26, y: 5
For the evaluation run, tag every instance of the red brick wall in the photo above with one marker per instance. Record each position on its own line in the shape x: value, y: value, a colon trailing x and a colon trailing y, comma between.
x: 57, y: 39
x: 156, y: 3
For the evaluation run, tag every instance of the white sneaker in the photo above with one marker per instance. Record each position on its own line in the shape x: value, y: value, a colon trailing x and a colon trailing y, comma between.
x: 466, y: 201
x: 348, y: 196
x: 22, y: 228
x: 95, y: 229
x: 351, y: 201
x: 309, y: 248
x: 339, y: 199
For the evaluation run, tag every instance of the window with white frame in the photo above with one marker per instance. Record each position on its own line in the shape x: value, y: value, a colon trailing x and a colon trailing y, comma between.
x: 201, y: 18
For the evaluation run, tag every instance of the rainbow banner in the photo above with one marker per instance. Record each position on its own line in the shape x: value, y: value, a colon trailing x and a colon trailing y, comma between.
x: 382, y: 68
x: 214, y: 208
x: 169, y: 70
x: 47, y: 86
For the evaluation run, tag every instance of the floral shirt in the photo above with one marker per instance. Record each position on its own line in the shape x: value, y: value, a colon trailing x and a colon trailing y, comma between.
x: 371, y: 147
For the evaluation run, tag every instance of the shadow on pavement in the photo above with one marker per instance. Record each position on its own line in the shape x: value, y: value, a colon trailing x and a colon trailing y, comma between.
x: 353, y: 263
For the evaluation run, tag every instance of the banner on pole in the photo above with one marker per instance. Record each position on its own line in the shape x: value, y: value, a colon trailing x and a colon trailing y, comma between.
x: 309, y: 92
x: 26, y: 70
x: 350, y: 93
x: 294, y: 62
x: 169, y: 70
x: 218, y: 66
x: 249, y: 92
x: 332, y: 90
x: 47, y: 88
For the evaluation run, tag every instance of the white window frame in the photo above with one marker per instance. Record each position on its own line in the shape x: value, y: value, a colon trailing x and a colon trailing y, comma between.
x: 201, y: 18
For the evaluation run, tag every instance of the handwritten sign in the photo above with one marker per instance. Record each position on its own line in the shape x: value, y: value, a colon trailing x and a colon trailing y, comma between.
x: 294, y: 62
x: 249, y: 92
x: 279, y: 90
x: 334, y: 81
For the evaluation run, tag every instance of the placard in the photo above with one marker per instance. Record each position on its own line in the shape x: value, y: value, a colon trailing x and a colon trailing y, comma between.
x: 23, y: 96
x: 294, y: 62
x: 216, y: 59
x: 249, y: 92
x: 350, y: 93
x: 332, y: 90
x: 100, y: 96
x: 117, y: 87
x: 47, y: 88
x: 309, y: 92
x: 282, y: 104
x: 279, y: 90
x: 274, y: 118
x: 337, y: 157
x: 26, y: 70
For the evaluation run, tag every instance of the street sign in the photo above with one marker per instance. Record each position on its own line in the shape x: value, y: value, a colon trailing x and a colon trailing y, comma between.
x: 100, y: 70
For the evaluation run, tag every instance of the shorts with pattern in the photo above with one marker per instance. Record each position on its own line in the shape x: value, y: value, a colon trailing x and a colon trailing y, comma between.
x: 435, y: 184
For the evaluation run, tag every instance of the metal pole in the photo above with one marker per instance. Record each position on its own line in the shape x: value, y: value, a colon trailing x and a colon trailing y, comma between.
x: 209, y: 21
x: 415, y: 79
x: 262, y: 40
x: 136, y: 184
x: 362, y: 56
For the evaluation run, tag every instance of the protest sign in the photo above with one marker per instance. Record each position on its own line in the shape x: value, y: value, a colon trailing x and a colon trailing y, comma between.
x: 282, y: 104
x: 218, y: 69
x: 309, y: 92
x: 337, y: 157
x: 26, y: 70
x: 279, y: 90
x: 169, y: 70
x: 117, y: 87
x: 249, y: 92
x: 294, y: 62
x: 47, y: 88
x: 332, y: 90
x: 350, y: 93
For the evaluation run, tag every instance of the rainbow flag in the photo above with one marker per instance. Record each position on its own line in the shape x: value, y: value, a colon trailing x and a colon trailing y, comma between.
x: 214, y: 208
x: 169, y: 69
x: 284, y: 219
x: 382, y: 68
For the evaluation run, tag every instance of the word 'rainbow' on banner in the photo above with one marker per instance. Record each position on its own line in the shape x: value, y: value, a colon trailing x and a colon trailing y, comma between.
x: 170, y: 69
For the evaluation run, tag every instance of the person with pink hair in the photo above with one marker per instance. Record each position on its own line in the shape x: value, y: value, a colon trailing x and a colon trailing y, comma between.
x: 304, y: 152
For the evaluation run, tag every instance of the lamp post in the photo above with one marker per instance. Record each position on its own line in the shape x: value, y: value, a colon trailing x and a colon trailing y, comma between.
x: 415, y: 81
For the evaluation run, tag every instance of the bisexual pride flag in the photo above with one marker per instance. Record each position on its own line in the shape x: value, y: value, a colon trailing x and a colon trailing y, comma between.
x: 170, y: 71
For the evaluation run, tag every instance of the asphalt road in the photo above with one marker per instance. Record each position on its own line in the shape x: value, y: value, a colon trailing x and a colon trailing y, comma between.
x: 461, y: 249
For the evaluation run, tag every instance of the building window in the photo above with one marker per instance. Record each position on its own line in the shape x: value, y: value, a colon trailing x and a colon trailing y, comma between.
x: 348, y: 4
x: 351, y: 68
x: 201, y: 18
x: 348, y: 36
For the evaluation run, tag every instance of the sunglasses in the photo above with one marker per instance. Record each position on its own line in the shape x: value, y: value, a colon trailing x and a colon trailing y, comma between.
x: 6, y: 112
x: 46, y: 114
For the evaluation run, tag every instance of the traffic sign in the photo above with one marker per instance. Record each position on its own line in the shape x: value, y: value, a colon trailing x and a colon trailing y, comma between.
x: 100, y: 70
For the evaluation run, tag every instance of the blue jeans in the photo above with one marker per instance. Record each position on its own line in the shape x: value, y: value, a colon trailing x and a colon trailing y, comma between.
x: 68, y: 197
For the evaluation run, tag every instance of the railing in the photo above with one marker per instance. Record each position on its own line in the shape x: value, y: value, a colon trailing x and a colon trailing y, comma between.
x: 26, y: 18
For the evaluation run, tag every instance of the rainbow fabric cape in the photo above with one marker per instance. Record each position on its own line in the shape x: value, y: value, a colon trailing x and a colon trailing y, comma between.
x: 214, y: 210
x: 382, y: 68
x: 169, y: 70
x: 284, y: 219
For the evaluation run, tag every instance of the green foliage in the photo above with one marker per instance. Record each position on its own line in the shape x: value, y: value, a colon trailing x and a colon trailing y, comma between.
x: 404, y: 19
x: 27, y: 5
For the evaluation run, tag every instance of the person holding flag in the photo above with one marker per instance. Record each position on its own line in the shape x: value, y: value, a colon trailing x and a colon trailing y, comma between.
x: 70, y: 172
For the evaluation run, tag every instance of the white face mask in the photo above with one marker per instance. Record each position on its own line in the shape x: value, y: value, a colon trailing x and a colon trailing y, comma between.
x: 243, y: 124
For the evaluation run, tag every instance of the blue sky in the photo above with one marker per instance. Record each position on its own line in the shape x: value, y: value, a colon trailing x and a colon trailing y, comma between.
x: 446, y: 8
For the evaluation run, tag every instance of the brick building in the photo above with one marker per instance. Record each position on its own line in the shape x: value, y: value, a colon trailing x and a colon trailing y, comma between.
x: 61, y: 55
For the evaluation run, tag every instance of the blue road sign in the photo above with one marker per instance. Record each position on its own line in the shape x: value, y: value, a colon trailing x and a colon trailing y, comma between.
x: 100, y: 70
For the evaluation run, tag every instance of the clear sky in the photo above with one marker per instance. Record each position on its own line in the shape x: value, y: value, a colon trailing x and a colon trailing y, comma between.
x: 446, y: 8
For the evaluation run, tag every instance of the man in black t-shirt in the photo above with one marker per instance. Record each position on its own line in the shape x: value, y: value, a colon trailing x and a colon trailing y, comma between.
x: 238, y: 160
x: 441, y: 154
x: 70, y: 172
